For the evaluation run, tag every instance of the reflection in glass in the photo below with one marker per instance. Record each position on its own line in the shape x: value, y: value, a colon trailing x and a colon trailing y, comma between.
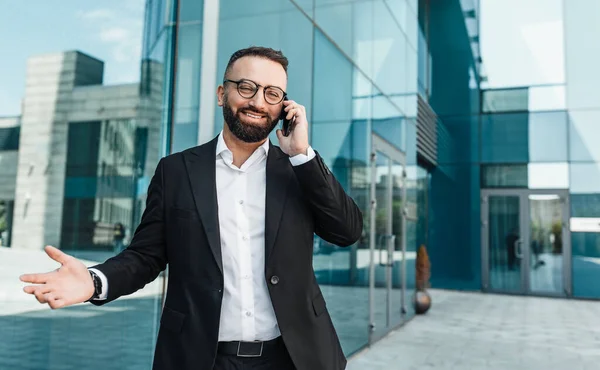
x: 504, y: 244
x: 546, y: 243
x: 504, y: 176
x: 89, y: 141
x: 6, y: 212
x: 505, y: 100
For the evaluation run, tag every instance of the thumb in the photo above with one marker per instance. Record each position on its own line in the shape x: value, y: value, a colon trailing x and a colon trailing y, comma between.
x: 56, y: 254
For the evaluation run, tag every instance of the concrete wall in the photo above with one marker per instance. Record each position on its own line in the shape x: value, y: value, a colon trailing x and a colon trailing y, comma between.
x: 42, y: 147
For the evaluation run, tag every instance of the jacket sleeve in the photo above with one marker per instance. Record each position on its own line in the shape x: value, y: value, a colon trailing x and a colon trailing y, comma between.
x: 145, y: 257
x: 338, y: 219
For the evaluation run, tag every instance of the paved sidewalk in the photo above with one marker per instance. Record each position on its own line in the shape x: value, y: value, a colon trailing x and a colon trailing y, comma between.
x: 484, y: 331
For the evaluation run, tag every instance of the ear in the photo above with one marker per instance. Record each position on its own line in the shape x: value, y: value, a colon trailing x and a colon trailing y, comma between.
x: 220, y: 95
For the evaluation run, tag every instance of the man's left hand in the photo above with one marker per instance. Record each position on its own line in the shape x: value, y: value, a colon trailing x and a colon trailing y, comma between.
x: 297, y: 141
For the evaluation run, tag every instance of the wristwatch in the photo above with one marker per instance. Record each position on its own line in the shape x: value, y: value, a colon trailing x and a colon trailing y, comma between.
x: 97, y: 285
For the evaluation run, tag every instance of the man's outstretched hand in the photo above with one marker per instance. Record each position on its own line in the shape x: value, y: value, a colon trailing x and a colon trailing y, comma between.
x: 70, y: 284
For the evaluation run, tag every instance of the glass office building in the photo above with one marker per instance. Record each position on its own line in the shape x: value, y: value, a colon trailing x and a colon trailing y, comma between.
x: 467, y: 126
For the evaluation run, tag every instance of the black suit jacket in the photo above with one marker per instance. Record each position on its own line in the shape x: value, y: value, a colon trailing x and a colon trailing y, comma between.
x: 180, y: 227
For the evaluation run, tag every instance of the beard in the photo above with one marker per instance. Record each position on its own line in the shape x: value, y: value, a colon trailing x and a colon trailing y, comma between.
x: 247, y: 132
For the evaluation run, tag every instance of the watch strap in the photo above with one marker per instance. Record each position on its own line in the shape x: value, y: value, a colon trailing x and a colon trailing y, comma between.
x: 97, y: 285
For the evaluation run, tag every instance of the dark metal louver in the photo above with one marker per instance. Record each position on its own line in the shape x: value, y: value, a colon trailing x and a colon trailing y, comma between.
x: 427, y: 130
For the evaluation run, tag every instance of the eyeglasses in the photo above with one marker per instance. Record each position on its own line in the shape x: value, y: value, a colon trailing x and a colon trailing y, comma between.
x: 247, y: 89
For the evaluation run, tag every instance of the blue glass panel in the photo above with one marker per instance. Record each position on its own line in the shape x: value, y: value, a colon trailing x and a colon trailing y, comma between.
x: 283, y: 28
x: 391, y: 50
x: 584, y: 133
x: 349, y: 24
x: 505, y: 138
x: 581, y: 24
x: 585, y: 178
x: 548, y: 136
x: 187, y: 87
x: 389, y: 123
x: 343, y: 140
x: 190, y: 10
x: 333, y: 76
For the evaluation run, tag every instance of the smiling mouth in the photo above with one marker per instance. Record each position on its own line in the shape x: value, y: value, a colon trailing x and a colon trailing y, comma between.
x: 255, y: 116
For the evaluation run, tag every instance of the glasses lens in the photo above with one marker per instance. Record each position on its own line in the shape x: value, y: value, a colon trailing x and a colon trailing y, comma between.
x: 273, y: 95
x: 246, y: 89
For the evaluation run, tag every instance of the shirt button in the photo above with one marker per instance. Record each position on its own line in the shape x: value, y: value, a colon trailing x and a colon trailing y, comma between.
x: 274, y: 279
x: 241, y: 201
x: 245, y: 237
x: 248, y: 313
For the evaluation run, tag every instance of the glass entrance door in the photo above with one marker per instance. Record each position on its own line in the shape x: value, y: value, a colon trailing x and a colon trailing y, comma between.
x: 387, y: 238
x: 525, y: 242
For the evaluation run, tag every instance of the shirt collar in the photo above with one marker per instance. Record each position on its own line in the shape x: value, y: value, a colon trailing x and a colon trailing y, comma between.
x: 222, y: 147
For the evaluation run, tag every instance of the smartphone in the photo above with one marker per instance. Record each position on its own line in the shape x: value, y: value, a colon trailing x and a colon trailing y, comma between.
x: 286, y: 124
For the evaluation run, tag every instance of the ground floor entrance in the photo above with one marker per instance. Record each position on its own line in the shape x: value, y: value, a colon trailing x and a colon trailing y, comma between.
x: 525, y: 242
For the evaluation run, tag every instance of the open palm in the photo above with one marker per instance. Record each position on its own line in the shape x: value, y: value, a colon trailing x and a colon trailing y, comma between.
x: 69, y: 284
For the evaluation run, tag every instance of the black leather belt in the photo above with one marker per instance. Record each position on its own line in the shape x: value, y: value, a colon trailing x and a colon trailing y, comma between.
x: 248, y: 349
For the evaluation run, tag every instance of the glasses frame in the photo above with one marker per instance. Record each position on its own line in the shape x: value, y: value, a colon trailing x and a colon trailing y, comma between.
x: 256, y: 89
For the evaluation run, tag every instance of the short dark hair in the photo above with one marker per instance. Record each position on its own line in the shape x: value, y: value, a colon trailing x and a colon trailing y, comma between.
x: 258, y: 51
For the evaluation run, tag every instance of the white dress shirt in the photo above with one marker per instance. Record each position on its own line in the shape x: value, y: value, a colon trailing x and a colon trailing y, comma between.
x: 246, y: 311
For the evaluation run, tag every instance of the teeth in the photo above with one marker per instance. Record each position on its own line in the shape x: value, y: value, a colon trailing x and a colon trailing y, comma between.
x: 253, y: 116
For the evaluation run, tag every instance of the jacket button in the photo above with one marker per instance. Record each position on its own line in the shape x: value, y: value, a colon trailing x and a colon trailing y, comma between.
x: 274, y: 279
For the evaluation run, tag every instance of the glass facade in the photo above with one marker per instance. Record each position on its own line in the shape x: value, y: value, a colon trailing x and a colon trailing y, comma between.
x: 450, y: 127
x: 76, y: 155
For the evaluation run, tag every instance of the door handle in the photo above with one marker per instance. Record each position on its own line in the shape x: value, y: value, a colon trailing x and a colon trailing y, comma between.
x: 389, y: 239
x: 517, y: 246
x: 380, y: 244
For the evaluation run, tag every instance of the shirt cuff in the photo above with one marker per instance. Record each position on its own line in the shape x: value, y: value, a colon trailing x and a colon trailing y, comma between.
x: 299, y: 159
x: 104, y: 291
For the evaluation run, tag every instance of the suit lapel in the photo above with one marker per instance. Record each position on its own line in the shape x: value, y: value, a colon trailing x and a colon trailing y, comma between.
x: 200, y: 164
x: 279, y: 174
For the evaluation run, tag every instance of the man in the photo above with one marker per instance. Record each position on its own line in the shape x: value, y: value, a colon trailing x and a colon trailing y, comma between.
x: 234, y: 219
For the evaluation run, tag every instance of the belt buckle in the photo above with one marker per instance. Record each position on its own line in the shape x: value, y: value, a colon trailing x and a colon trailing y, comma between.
x: 249, y: 354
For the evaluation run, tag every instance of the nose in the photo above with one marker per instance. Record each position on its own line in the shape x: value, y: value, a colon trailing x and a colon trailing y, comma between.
x: 258, y: 100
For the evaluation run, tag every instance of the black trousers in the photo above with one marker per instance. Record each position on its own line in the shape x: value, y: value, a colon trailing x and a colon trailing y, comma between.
x: 276, y: 359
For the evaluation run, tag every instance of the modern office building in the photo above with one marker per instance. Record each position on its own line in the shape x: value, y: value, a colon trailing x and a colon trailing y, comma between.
x: 468, y: 126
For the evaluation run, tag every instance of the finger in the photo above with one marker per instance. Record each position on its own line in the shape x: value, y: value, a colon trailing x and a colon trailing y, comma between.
x: 41, y: 297
x: 293, y: 112
x: 57, y: 303
x: 31, y: 289
x: 36, y: 278
x: 279, y: 134
x: 56, y: 254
